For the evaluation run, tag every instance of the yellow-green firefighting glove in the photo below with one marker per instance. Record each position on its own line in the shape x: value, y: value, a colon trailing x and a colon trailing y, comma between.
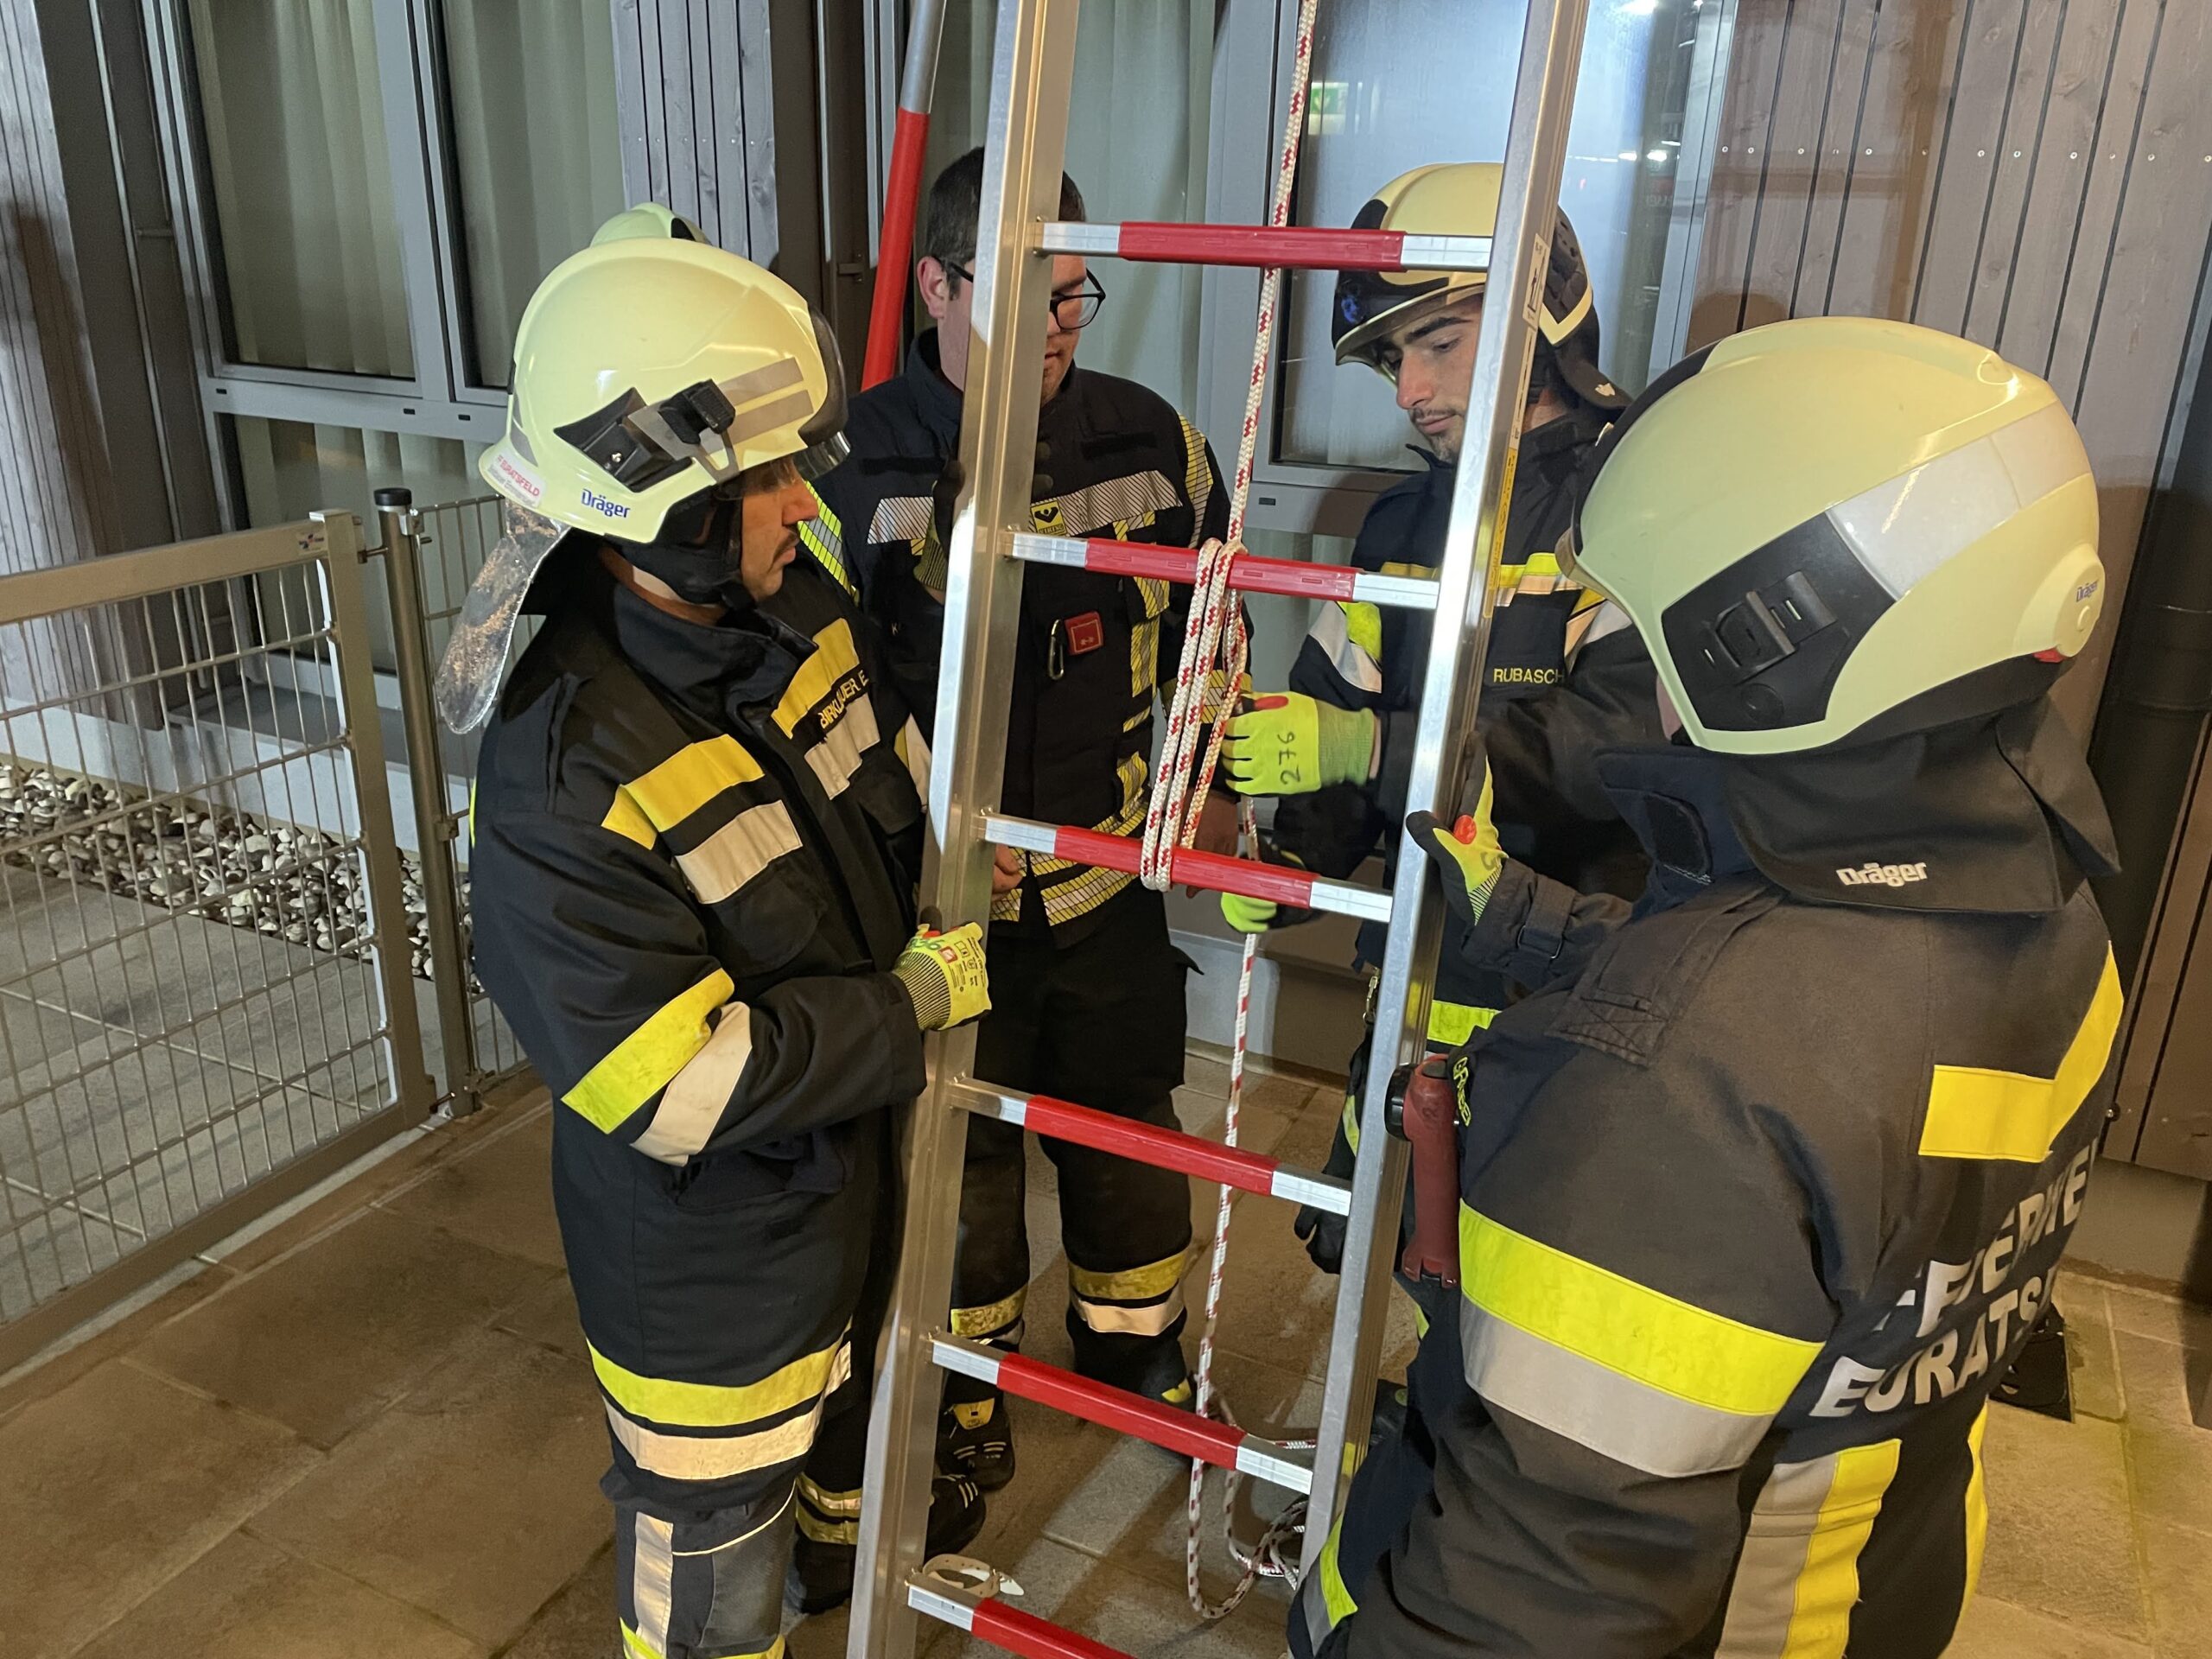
x: 1288, y: 744
x: 1258, y: 915
x: 1467, y: 857
x: 945, y: 976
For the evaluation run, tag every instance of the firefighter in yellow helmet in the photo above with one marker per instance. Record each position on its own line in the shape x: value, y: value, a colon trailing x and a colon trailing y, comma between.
x: 1763, y: 1183
x: 696, y: 843
x: 1565, y: 674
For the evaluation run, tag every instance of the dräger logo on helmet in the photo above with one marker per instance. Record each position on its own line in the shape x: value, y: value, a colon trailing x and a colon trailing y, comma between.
x: 600, y: 503
x: 1883, y: 875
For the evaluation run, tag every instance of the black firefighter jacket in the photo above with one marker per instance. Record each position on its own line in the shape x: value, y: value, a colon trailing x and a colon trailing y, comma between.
x: 1093, y: 651
x: 1566, y: 677
x: 694, y: 866
x: 1762, y: 1188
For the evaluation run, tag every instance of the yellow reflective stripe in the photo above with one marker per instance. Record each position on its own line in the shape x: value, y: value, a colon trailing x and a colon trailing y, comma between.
x: 1401, y: 567
x: 829, y: 553
x: 1350, y: 1119
x: 1453, y: 1023
x: 1198, y: 478
x: 1977, y: 1515
x: 1642, y: 1334
x: 991, y: 1317
x: 1334, y: 1596
x: 1828, y: 1587
x: 642, y: 1063
x: 1363, y: 626
x: 833, y: 657
x: 637, y: 1647
x: 1538, y: 564
x: 692, y: 1105
x: 1972, y: 1113
x: 688, y: 779
x: 715, y: 1405
x: 627, y: 819
x: 1130, y: 1284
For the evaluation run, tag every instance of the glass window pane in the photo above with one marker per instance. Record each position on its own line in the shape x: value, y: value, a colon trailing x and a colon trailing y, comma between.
x: 291, y: 469
x: 1377, y: 110
x: 1155, y: 56
x: 530, y: 96
x: 289, y: 101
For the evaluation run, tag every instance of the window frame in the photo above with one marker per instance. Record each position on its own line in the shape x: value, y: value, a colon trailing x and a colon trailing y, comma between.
x: 441, y: 398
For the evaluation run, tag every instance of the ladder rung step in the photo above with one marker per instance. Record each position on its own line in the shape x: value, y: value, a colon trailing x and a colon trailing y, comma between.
x: 999, y: 1624
x: 1247, y: 571
x: 1164, y: 1149
x: 1215, y: 872
x: 1292, y: 247
x: 1181, y: 1432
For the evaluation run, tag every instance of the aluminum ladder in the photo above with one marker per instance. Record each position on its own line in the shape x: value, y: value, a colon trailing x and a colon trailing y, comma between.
x: 1032, y: 80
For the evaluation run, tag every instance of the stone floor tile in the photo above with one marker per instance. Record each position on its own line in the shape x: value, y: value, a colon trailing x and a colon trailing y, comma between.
x: 2092, y: 1357
x: 1120, y: 1610
x: 548, y: 1317
x: 114, y: 1332
x: 1993, y: 1629
x: 580, y: 1622
x: 323, y: 1339
x: 245, y: 1599
x: 113, y: 1484
x: 2157, y: 1376
x: 499, y: 1194
x: 2144, y: 1313
x: 2172, y: 1472
x: 2181, y: 1591
x: 475, y: 1498
x: 2085, y: 1571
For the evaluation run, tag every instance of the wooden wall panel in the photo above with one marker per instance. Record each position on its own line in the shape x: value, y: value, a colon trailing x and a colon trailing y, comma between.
x: 2034, y: 174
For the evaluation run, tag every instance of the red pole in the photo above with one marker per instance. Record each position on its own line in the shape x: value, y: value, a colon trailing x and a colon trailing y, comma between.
x: 902, y: 191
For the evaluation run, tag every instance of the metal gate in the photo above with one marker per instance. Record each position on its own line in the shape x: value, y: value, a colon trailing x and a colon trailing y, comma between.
x: 206, y: 1001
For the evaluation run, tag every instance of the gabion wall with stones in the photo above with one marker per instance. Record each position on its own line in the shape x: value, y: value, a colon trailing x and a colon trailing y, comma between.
x: 301, y: 885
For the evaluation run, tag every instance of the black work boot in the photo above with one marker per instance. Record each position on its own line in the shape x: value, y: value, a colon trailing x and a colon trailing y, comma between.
x: 1151, y: 1366
x: 2039, y: 1378
x: 975, y: 1436
x: 826, y: 1552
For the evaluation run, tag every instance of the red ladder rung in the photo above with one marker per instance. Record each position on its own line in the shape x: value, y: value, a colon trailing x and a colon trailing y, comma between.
x: 1002, y: 1626
x: 1292, y: 247
x: 1214, y: 872
x: 1183, y: 1432
x: 1163, y: 1149
x: 1247, y: 571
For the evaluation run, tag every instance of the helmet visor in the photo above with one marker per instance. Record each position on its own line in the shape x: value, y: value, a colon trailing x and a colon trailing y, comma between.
x: 476, y: 655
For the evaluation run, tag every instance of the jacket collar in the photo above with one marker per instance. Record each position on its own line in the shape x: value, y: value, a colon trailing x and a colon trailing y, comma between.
x: 746, y: 659
x: 1996, y: 815
x: 938, y: 400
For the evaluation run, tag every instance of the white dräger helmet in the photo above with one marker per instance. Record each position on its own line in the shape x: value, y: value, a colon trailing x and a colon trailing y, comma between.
x: 656, y: 376
x: 1840, y: 529
x: 1460, y: 199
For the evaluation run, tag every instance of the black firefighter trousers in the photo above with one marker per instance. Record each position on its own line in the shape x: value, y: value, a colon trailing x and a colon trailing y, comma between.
x: 1100, y: 1023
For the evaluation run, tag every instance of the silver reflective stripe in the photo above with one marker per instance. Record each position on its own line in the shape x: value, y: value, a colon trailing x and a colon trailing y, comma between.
x: 915, y: 752
x: 738, y: 851
x: 1096, y: 506
x: 1593, y: 625
x: 785, y: 412
x: 1148, y: 1320
x: 1315, y: 1607
x: 901, y: 518
x: 718, y: 1457
x: 696, y: 1096
x: 652, y: 1578
x: 1331, y: 630
x: 838, y: 756
x: 742, y: 389
x: 1595, y: 1406
x: 1763, y: 1599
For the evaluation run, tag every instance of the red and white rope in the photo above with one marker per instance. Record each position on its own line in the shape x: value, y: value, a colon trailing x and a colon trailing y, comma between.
x: 1215, y: 641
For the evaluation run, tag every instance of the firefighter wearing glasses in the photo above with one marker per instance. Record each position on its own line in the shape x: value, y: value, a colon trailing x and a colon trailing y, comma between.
x: 1089, y: 989
x: 1765, y: 1182
x: 1565, y: 673
x: 696, y: 844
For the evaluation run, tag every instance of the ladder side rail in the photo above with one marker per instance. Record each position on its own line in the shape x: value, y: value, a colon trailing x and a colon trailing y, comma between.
x: 1032, y: 77
x: 1543, y: 96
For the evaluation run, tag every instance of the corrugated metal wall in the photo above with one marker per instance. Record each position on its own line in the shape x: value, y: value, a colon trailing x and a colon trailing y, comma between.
x: 2034, y: 174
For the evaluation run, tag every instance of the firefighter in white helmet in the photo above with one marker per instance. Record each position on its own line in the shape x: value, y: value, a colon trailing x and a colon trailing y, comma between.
x: 696, y: 844
x: 1764, y: 1183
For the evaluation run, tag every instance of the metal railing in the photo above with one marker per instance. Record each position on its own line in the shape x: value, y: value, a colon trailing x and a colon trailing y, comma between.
x: 431, y: 554
x: 206, y: 996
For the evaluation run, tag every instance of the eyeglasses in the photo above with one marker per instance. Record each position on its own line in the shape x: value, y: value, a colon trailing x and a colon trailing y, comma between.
x: 1070, y: 311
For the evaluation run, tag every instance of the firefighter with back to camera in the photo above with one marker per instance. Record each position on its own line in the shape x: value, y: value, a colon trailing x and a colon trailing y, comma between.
x: 696, y: 843
x: 1764, y: 1182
